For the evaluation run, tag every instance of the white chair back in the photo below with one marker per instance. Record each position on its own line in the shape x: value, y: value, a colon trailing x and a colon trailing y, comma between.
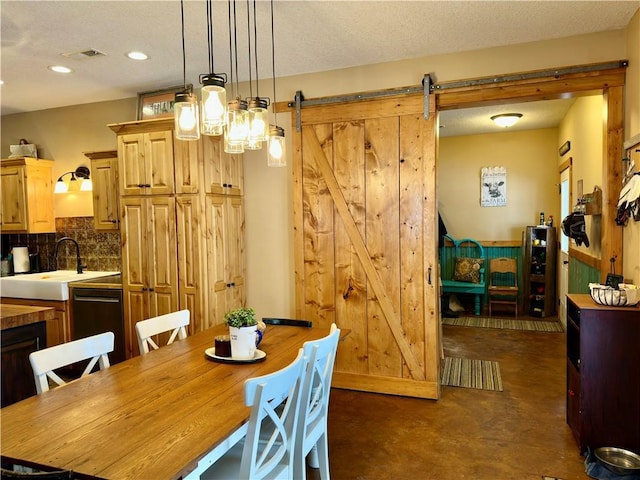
x: 267, y: 450
x: 175, y: 322
x: 314, y: 403
x: 45, y: 361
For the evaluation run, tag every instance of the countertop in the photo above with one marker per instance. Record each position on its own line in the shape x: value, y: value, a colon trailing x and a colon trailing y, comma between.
x: 113, y: 281
x: 19, y: 315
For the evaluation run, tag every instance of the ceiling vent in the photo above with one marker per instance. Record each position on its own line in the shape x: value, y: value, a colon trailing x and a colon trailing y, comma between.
x: 90, y: 53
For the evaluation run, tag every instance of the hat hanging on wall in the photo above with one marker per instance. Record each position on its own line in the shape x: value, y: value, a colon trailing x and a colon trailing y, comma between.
x: 573, y: 226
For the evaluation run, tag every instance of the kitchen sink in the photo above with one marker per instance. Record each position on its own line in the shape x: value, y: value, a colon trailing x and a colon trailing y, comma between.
x: 45, y: 285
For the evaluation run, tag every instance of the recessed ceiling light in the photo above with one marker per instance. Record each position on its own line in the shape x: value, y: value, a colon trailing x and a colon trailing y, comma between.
x: 59, y: 69
x: 137, y: 56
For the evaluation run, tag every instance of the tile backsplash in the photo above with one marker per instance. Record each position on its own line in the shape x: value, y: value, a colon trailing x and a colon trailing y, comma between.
x: 98, y: 250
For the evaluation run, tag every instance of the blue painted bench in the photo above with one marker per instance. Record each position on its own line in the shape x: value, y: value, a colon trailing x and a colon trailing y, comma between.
x: 471, y: 255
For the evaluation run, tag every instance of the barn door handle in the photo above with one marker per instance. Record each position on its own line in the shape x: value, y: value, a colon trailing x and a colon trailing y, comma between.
x: 429, y: 275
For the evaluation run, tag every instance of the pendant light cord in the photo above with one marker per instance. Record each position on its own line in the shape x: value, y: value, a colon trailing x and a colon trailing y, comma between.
x: 249, y: 44
x: 210, y: 35
x: 255, y: 45
x: 273, y: 64
x: 184, y: 55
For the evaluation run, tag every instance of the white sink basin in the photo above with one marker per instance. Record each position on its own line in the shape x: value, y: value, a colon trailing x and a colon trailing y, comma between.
x: 45, y: 285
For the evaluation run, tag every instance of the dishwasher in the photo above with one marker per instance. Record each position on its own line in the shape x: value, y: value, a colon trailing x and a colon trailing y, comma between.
x: 98, y: 310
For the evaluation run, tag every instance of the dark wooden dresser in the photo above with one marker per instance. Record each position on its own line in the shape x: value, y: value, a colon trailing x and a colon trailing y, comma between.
x: 603, y: 374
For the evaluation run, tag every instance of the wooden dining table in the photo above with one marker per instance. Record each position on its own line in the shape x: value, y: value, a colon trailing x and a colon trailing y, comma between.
x: 150, y: 417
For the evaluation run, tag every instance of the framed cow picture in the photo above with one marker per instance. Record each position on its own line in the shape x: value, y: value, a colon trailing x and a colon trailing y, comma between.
x: 493, y: 187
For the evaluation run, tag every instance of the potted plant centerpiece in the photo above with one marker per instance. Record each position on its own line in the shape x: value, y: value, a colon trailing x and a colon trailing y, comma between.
x: 245, y: 332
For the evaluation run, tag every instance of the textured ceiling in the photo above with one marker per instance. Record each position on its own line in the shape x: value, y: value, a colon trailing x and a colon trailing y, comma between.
x: 310, y: 36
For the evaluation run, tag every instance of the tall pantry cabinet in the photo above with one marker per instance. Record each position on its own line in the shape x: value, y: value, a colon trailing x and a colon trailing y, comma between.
x: 173, y: 256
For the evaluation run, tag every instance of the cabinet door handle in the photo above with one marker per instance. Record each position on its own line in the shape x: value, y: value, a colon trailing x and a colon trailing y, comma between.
x: 152, y: 289
x: 144, y: 289
x: 572, y: 393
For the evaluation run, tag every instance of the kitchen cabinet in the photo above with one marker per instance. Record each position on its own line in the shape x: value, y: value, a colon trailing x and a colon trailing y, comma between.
x: 223, y: 173
x: 145, y: 163
x: 104, y: 176
x: 17, y: 375
x: 149, y: 260
x: 603, y: 374
x: 225, y: 256
x: 200, y: 254
x: 58, y: 327
x: 27, y: 196
x: 539, y: 265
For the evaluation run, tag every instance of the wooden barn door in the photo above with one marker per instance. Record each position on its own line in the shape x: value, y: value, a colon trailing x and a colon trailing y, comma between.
x: 366, y: 246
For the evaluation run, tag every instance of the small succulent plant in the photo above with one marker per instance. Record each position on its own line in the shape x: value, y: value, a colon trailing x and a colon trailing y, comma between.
x: 241, y: 317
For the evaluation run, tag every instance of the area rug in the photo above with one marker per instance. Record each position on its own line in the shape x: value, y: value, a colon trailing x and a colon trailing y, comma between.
x: 469, y: 373
x: 507, y: 323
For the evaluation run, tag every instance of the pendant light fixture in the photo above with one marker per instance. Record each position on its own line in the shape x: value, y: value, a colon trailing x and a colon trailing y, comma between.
x: 277, y: 147
x: 213, y: 101
x: 257, y: 107
x: 185, y: 108
x: 236, y: 133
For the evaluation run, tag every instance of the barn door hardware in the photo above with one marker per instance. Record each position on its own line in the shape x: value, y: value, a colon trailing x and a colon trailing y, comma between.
x: 299, y: 102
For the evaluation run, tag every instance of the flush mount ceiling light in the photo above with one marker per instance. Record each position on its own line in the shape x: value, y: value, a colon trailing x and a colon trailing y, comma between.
x: 506, y: 119
x: 74, y: 185
x: 59, y: 69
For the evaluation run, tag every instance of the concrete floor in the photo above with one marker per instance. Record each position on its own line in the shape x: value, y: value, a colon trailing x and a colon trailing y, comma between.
x: 517, y: 434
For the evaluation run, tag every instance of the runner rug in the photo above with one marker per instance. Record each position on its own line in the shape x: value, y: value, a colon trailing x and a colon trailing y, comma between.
x: 468, y: 373
x: 507, y: 323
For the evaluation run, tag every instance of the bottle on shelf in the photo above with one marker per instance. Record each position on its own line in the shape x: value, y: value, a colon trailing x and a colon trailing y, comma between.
x: 541, y: 218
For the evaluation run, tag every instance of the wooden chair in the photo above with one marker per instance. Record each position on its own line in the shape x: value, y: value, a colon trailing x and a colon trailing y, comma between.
x: 287, y: 321
x: 503, y: 282
x: 312, y: 435
x: 267, y: 450
x: 175, y: 322
x: 45, y: 361
x: 466, y: 274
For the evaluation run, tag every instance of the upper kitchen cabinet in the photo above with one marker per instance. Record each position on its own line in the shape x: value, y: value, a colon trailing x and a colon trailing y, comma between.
x: 27, y: 196
x: 145, y: 157
x: 223, y: 172
x: 104, y: 175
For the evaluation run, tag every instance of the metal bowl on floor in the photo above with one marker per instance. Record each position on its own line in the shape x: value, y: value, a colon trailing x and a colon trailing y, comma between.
x: 618, y: 460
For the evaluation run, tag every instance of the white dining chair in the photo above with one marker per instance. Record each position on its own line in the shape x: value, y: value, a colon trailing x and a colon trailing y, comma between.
x: 267, y: 450
x: 174, y: 322
x: 312, y: 438
x: 45, y: 361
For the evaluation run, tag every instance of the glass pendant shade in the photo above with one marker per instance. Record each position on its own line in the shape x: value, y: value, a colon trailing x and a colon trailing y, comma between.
x: 187, y: 120
x: 213, y: 105
x: 258, y: 123
x: 277, y: 148
x: 237, y: 131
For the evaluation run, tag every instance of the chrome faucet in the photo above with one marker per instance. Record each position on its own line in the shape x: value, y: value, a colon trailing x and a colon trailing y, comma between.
x: 55, y: 253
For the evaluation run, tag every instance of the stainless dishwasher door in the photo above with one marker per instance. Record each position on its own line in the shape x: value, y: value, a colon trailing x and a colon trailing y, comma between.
x: 98, y: 310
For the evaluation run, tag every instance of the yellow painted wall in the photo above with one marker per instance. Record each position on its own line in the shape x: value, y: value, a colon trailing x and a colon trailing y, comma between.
x: 532, y: 177
x: 65, y: 133
x: 582, y: 126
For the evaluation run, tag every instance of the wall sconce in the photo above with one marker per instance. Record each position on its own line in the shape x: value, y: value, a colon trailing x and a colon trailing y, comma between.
x: 84, y: 185
x: 506, y: 119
